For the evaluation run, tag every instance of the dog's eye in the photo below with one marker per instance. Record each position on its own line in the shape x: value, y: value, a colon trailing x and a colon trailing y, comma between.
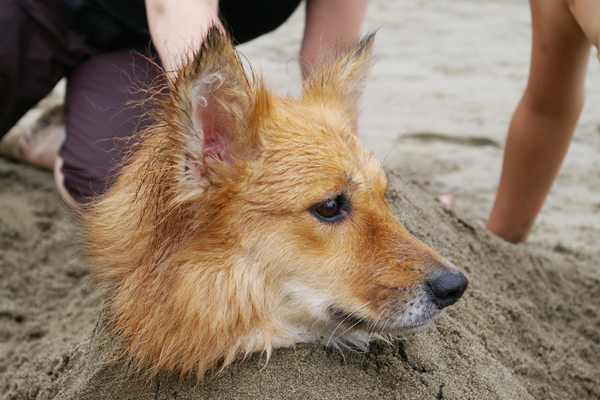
x: 331, y: 210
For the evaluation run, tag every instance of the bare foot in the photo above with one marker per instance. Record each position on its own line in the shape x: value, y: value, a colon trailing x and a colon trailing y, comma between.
x: 39, y: 145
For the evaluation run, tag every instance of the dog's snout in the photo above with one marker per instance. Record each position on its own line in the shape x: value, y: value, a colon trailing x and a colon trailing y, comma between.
x: 447, y: 287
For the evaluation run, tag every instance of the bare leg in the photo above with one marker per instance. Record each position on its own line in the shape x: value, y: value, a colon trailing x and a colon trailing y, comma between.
x: 59, y: 179
x: 544, y: 121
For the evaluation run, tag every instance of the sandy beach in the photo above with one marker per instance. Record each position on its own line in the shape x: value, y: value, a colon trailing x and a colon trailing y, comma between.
x: 447, y: 78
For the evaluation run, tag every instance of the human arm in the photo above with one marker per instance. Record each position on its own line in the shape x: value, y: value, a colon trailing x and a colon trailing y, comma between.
x: 178, y: 27
x: 543, y: 124
x: 329, y: 23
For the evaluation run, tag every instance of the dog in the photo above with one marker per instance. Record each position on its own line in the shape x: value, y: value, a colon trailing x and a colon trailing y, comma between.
x: 244, y: 222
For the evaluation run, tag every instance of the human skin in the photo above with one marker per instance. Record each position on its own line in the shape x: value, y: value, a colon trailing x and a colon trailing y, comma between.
x: 178, y: 27
x: 545, y: 119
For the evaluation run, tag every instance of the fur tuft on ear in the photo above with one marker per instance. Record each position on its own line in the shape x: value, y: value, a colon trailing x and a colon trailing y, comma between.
x: 215, y: 96
x: 341, y: 76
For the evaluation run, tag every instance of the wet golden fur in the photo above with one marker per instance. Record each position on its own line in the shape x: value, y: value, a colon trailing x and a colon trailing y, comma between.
x: 208, y: 244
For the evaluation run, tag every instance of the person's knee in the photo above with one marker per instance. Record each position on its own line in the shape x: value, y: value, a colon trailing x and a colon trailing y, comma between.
x: 59, y: 179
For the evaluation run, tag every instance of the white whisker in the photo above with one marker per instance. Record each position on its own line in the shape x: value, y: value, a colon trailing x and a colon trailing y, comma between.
x: 338, y: 325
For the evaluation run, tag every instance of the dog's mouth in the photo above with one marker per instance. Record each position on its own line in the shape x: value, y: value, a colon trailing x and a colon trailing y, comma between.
x: 388, y: 319
x: 337, y: 315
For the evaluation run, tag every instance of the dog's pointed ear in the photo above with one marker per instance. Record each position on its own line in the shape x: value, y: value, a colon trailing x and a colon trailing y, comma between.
x: 342, y: 76
x: 213, y: 94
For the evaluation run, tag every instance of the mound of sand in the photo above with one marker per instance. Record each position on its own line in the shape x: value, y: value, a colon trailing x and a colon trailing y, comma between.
x: 527, y: 327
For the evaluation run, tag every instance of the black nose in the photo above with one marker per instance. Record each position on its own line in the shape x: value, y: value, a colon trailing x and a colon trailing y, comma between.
x: 447, y: 287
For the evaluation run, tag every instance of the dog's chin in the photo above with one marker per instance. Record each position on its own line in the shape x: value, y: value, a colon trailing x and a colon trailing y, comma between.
x: 416, y: 327
x: 397, y: 323
x: 354, y: 331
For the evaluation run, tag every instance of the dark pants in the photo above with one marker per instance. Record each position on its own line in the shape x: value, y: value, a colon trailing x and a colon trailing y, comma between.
x: 39, y: 46
x: 37, y: 49
x: 104, y: 106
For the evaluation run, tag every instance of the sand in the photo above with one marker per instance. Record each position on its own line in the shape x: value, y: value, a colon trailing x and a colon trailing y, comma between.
x: 441, y: 95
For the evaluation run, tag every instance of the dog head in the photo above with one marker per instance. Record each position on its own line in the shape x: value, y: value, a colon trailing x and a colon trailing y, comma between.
x: 247, y: 221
